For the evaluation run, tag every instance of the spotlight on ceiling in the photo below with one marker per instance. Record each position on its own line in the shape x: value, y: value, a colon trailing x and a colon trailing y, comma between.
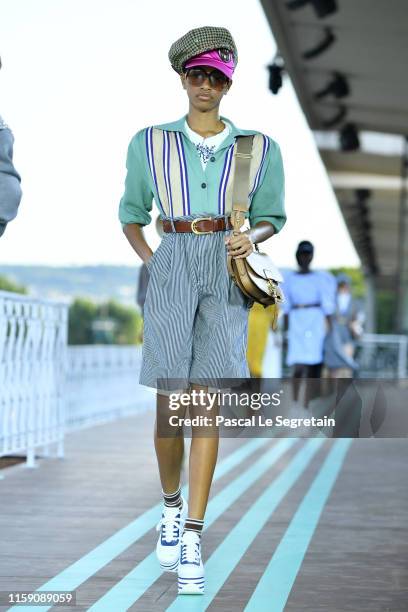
x: 337, y: 118
x: 362, y: 195
x: 275, y: 74
x: 337, y: 87
x: 322, y: 46
x: 362, y: 228
x: 349, y: 140
x: 322, y: 7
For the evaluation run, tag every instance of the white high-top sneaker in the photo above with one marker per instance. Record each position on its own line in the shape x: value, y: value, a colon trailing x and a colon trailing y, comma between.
x: 171, y: 527
x: 190, y: 569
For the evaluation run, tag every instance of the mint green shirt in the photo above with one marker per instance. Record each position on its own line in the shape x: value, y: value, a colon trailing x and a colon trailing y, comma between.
x: 201, y: 190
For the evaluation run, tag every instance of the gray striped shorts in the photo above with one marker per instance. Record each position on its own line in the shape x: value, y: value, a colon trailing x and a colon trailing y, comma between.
x: 195, y: 317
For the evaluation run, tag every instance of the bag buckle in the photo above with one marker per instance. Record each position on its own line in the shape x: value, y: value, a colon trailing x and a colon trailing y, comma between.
x: 196, y: 231
x: 272, y: 288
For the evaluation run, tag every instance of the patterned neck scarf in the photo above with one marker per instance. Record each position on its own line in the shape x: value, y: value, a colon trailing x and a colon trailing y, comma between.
x: 204, y: 151
x: 207, y: 146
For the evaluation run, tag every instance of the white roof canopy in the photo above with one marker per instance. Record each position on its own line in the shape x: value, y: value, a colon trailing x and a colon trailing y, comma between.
x: 370, y: 50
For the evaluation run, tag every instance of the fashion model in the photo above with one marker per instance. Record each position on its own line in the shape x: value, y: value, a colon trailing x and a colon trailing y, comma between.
x: 195, y: 317
x: 308, y: 307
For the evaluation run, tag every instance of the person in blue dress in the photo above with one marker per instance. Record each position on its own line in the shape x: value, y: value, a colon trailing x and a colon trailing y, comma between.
x: 308, y: 308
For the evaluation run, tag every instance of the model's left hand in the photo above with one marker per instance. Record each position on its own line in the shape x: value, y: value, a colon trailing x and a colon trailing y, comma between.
x: 239, y: 246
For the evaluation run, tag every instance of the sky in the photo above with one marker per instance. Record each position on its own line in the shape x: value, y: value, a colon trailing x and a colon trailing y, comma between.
x: 79, y: 78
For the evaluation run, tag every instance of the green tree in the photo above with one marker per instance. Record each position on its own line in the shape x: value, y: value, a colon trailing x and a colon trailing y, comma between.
x: 85, y: 316
x: 128, y: 322
x: 386, y: 305
x: 81, y: 314
x: 356, y: 277
x: 7, y: 285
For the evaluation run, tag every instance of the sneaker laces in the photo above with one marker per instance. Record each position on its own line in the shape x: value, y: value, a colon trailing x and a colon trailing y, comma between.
x: 170, y: 525
x: 190, y: 552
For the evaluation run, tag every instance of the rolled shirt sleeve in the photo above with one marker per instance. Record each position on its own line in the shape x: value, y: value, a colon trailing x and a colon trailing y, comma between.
x: 268, y: 201
x: 10, y: 190
x: 137, y: 201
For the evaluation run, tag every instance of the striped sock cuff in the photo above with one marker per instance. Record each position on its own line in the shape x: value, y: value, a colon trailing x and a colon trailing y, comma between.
x: 172, y: 499
x: 193, y: 524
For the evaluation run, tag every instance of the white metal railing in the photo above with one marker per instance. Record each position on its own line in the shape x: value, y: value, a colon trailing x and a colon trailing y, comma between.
x: 102, y: 384
x: 48, y: 388
x: 383, y: 356
x: 33, y: 339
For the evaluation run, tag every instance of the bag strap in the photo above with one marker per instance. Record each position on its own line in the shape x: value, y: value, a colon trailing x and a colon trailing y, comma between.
x: 240, y: 192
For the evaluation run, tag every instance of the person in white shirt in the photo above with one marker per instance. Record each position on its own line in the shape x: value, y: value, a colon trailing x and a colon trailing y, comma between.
x: 347, y: 327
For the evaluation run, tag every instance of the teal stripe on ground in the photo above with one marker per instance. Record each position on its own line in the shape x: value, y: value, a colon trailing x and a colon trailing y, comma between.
x: 126, y: 592
x: 274, y: 587
x: 235, y: 458
x: 80, y: 571
x: 228, y: 554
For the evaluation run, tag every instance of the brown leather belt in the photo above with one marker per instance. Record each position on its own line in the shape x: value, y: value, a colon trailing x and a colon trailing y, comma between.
x: 200, y: 225
x: 306, y: 306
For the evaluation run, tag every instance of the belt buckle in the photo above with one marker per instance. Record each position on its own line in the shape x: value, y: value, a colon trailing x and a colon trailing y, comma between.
x: 196, y: 231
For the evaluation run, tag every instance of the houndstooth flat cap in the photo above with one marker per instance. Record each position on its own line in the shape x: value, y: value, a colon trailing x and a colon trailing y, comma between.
x: 199, y: 40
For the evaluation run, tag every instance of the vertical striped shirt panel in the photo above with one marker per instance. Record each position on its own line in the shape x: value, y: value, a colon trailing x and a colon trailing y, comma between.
x: 169, y: 171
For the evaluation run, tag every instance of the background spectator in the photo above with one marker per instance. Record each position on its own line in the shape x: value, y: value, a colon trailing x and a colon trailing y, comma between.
x: 10, y: 190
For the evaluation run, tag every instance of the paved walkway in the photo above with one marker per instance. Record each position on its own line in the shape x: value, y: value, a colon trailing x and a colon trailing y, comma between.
x: 296, y: 525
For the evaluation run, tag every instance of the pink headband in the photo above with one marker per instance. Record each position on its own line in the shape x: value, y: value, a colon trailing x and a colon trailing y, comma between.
x: 222, y: 59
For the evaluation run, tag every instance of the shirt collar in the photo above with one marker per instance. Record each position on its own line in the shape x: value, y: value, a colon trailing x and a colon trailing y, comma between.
x: 179, y: 126
x: 213, y: 140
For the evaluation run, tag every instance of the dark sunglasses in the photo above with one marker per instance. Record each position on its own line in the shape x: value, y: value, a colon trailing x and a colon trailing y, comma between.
x: 197, y: 76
